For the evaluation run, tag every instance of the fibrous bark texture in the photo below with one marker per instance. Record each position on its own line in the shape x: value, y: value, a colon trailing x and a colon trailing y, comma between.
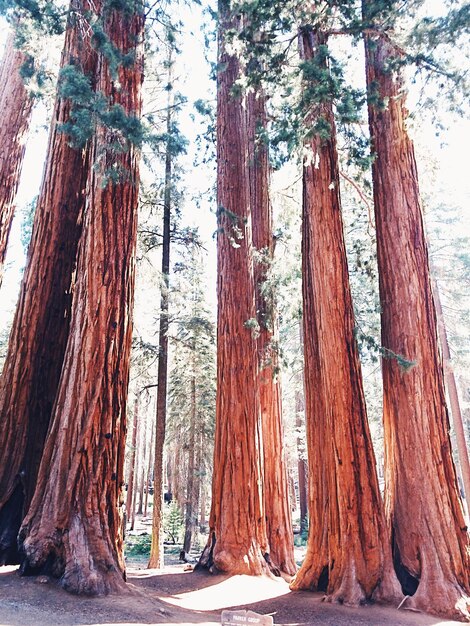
x: 348, y: 553
x: 30, y: 377
x: 237, y: 536
x: 74, y: 527
x: 15, y: 113
x: 430, y: 538
x: 276, y: 497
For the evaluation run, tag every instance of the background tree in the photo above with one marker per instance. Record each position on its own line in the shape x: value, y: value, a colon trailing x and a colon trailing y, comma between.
x: 15, y: 113
x: 192, y: 392
x: 172, y: 149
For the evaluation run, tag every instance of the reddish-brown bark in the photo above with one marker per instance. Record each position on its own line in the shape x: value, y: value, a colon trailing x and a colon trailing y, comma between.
x: 348, y: 553
x: 74, y: 527
x: 15, y: 113
x: 30, y: 377
x: 276, y: 497
x: 430, y: 538
x: 237, y: 529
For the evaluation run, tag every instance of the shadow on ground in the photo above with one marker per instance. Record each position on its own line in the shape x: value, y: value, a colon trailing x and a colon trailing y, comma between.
x: 174, y: 596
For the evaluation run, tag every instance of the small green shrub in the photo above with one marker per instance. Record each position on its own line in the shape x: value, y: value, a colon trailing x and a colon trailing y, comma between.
x: 138, y: 545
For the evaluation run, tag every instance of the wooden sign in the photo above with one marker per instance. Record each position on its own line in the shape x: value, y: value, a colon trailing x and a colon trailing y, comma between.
x: 245, y: 618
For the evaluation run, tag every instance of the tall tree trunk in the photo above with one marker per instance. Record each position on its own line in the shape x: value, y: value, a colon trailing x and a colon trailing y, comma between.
x: 149, y: 474
x: 278, y: 514
x: 15, y: 113
x: 348, y: 552
x: 30, y: 377
x: 132, y: 510
x: 302, y: 468
x: 74, y: 527
x: 130, y: 481
x: 143, y: 458
x: 202, y: 509
x: 156, y: 549
x: 453, y: 394
x: 301, y: 465
x: 237, y: 539
x: 191, y: 492
x: 430, y: 539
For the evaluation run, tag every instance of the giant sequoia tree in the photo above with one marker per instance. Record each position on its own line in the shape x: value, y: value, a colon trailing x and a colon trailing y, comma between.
x: 429, y: 534
x: 15, y: 114
x: 276, y: 495
x: 30, y: 377
x: 73, y: 528
x: 348, y: 553
x: 237, y: 539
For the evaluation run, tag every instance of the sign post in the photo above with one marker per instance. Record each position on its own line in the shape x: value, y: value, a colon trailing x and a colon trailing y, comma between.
x: 245, y: 618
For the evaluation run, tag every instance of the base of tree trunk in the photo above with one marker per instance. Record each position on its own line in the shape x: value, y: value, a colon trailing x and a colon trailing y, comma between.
x: 440, y: 597
x: 81, y: 568
x: 252, y: 562
x: 11, y: 516
x: 346, y: 589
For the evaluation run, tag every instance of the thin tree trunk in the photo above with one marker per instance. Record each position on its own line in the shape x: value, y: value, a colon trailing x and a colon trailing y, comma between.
x: 156, y: 550
x: 237, y: 539
x: 301, y: 465
x: 191, y: 493
x: 302, y: 468
x: 276, y: 496
x: 130, y: 482
x: 30, y: 376
x: 74, y: 526
x: 423, y: 507
x: 199, y: 486
x: 149, y: 474
x: 348, y: 551
x: 142, y: 472
x: 453, y: 394
x: 202, y: 515
x: 132, y: 510
x: 15, y: 113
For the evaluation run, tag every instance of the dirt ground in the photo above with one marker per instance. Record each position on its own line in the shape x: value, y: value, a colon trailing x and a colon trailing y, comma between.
x: 175, y: 596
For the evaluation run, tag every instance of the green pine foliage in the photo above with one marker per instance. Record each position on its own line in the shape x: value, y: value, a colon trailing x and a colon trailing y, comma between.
x: 193, y: 363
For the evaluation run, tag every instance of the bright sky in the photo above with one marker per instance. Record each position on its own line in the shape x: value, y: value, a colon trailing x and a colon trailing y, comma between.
x: 452, y: 159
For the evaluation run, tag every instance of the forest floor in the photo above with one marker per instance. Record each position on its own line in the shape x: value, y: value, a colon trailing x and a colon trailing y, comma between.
x: 175, y: 596
x: 178, y: 595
